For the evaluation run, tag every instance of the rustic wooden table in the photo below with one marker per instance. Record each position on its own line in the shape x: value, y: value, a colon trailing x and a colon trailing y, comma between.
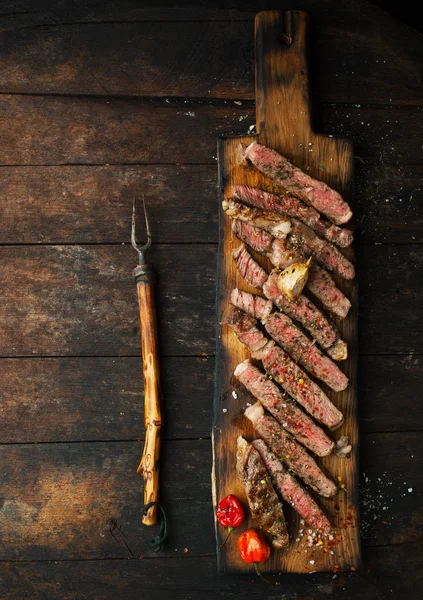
x: 110, y: 99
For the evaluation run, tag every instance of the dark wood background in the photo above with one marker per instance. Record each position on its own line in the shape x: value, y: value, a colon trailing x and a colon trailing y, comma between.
x: 100, y: 100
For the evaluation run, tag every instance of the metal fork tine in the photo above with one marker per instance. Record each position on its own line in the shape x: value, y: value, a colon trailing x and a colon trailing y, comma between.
x: 147, y: 224
x: 140, y: 249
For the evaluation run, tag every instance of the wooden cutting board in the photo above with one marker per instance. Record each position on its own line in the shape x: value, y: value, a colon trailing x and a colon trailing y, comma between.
x: 283, y: 123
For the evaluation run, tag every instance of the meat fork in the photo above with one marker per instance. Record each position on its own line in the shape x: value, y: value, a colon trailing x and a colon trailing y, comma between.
x: 149, y: 466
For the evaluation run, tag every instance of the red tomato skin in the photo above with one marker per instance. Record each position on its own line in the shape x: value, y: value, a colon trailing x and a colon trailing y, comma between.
x: 253, y: 547
x: 230, y: 512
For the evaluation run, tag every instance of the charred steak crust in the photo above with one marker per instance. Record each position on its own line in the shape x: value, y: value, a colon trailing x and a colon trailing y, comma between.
x: 266, y: 509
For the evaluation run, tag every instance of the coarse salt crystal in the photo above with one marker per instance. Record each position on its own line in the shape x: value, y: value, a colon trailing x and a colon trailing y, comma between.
x: 312, y: 562
x: 410, y: 490
x: 225, y: 410
x: 234, y: 394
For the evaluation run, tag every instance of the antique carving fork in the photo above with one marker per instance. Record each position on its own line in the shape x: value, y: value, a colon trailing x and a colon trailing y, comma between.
x: 149, y: 466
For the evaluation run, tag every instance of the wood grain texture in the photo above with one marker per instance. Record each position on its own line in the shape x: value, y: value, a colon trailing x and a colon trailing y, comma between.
x: 107, y: 579
x: 181, y: 203
x: 149, y: 467
x: 284, y: 122
x: 37, y: 199
x: 84, y: 501
x: 72, y: 495
x: 83, y: 399
x: 58, y: 130
x: 211, y: 59
x: 76, y: 398
x: 80, y: 300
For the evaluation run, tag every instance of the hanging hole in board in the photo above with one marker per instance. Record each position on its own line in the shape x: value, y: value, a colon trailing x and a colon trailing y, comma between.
x: 285, y: 39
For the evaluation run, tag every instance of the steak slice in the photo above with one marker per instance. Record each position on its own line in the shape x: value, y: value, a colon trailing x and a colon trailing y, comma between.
x: 301, y: 236
x: 258, y: 239
x: 271, y: 222
x: 266, y: 509
x: 247, y: 332
x: 290, y: 451
x: 281, y: 406
x: 320, y: 283
x: 283, y: 369
x: 317, y: 193
x: 310, y: 244
x: 254, y: 305
x: 250, y: 270
x: 289, y: 205
x: 304, y: 351
x: 307, y: 393
x: 292, y: 492
x: 303, y: 311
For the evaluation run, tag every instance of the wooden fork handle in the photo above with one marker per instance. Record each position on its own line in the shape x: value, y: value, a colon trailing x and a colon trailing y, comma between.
x: 149, y: 465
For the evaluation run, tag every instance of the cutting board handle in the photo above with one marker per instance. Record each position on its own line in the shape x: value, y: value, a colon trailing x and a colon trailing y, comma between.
x: 282, y: 89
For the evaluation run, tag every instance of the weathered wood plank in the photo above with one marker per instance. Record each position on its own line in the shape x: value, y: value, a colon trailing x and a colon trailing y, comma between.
x: 62, y: 204
x: 383, y: 576
x: 211, y: 59
x: 80, y: 300
x: 390, y: 495
x: 40, y: 396
x: 283, y: 107
x: 389, y: 393
x: 69, y: 501
x: 77, y: 130
x: 59, y: 501
x: 389, y: 203
x: 81, y: 399
x: 73, y: 399
x: 390, y: 312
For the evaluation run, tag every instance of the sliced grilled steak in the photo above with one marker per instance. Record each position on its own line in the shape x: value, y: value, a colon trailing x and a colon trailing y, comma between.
x: 266, y: 510
x: 303, y: 311
x: 304, y: 239
x: 258, y: 239
x: 304, y: 351
x: 272, y: 222
x: 320, y: 283
x: 317, y: 193
x: 248, y: 267
x: 247, y: 332
x: 254, y: 305
x: 301, y: 236
x: 283, y: 369
x: 282, y: 255
x: 294, y: 381
x: 290, y: 451
x: 289, y: 415
x: 289, y: 205
x: 292, y: 492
